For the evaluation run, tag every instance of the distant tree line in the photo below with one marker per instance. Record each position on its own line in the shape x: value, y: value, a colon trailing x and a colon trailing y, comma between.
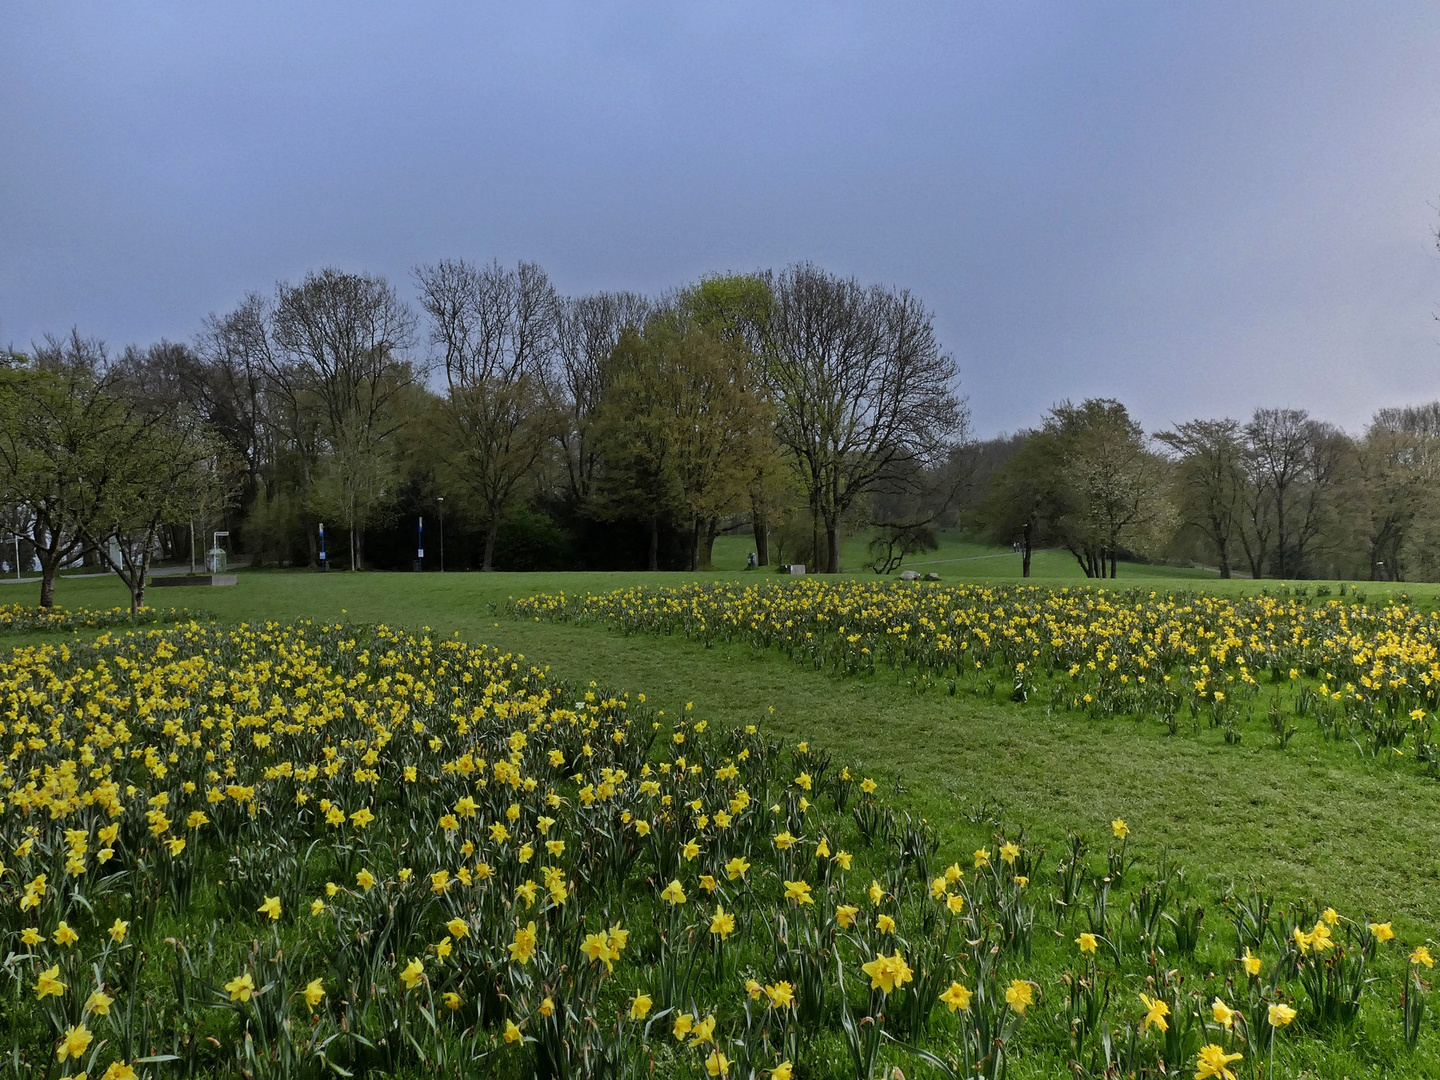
x: 540, y: 431
x: 1281, y: 494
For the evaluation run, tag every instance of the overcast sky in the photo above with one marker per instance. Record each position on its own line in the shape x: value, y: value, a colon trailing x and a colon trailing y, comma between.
x: 1196, y: 208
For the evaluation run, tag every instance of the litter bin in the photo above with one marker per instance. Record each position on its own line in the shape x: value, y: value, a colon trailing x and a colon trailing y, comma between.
x: 216, y: 560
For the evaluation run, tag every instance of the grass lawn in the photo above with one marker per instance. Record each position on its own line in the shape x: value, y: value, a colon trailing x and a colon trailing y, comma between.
x: 957, y: 557
x: 1314, y: 821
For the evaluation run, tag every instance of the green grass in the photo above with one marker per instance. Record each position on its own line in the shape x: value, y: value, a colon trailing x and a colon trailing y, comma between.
x: 1313, y: 821
x: 957, y: 557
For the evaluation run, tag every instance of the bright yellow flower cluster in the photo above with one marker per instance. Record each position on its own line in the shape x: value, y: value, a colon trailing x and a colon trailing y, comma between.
x: 321, y: 835
x: 388, y: 822
x: 1103, y: 651
x: 20, y: 618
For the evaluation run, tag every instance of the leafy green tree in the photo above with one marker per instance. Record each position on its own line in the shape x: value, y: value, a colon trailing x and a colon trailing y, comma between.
x: 1112, y: 487
x: 1398, y: 469
x: 60, y: 427
x: 1086, y: 481
x: 737, y: 308
x: 162, y: 468
x: 353, y: 485
x: 1021, y: 497
x: 722, y: 424
x: 636, y: 435
x: 680, y: 425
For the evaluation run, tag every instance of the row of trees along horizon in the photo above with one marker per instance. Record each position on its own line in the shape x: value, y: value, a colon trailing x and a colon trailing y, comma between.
x: 619, y: 431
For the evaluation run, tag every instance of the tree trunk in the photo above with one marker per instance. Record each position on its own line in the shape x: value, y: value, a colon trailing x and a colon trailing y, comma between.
x: 137, y: 585
x: 1112, y: 562
x: 695, y: 545
x: 1224, y: 560
x: 490, y: 534
x: 1256, y: 559
x: 654, y: 562
x: 832, y: 547
x: 814, y: 537
x: 48, y: 572
x: 1280, y: 535
x: 1025, y: 558
x: 761, y: 527
x: 707, y: 549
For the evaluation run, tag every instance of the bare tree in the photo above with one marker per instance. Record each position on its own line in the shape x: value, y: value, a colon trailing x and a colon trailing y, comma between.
x: 228, y: 385
x: 587, y: 330
x: 1257, y: 525
x: 264, y: 405
x: 341, y: 341
x: 1294, y: 464
x: 906, y: 503
x: 1277, y: 444
x: 496, y: 331
x: 859, y: 383
x: 1328, y: 454
x: 1211, y: 480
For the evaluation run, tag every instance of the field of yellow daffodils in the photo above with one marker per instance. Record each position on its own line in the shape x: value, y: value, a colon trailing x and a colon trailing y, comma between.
x: 19, y: 618
x: 1350, y: 672
x: 320, y: 850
